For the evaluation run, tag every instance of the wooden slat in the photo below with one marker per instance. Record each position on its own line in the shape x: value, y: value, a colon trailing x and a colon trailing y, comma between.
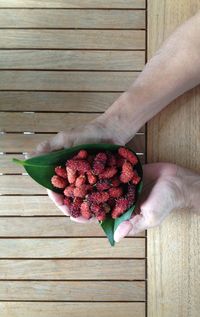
x: 55, y: 80
x: 27, y: 142
x: 47, y: 226
x: 70, y: 291
x: 111, y: 19
x: 71, y: 248
x: 73, y: 39
x: 173, y: 248
x: 72, y: 309
x: 66, y: 60
x: 130, y: 4
x: 56, y: 101
x: 71, y: 269
x: 7, y: 166
x: 44, y: 122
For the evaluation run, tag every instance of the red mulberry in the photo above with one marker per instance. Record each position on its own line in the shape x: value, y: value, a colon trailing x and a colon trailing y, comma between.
x: 75, y: 208
x: 101, y: 216
x: 98, y: 197
x: 61, y: 171
x: 103, y: 184
x: 95, y: 208
x: 80, y: 180
x: 109, y: 172
x: 69, y: 191
x: 82, y: 154
x: 71, y: 175
x: 99, y: 163
x: 67, y: 201
x: 120, y: 207
x: 115, y: 192
x: 111, y: 160
x: 85, y: 210
x: 58, y: 181
x: 127, y: 172
x: 81, y: 166
x: 80, y: 191
x: 136, y: 179
x: 92, y: 179
x: 127, y: 154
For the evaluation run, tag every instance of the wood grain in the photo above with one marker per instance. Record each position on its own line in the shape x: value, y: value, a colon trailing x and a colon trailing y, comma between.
x: 72, y: 309
x: 130, y: 4
x: 173, y: 135
x: 70, y: 291
x: 71, y: 248
x: 48, y: 226
x: 71, y: 269
x: 73, y: 39
x: 69, y: 80
x: 56, y: 101
x: 71, y: 60
x: 91, y: 19
x: 44, y: 122
x: 12, y: 142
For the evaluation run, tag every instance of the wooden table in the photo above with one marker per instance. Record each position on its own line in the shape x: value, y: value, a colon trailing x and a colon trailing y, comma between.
x: 62, y: 63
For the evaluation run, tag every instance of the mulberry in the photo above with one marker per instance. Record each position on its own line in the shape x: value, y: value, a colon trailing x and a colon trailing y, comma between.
x: 69, y: 191
x: 115, y: 192
x: 120, y: 207
x: 85, y: 210
x: 71, y: 175
x: 127, y: 154
x: 99, y: 163
x: 127, y: 172
x: 82, y: 154
x: 67, y: 201
x: 61, y: 171
x: 80, y: 191
x: 75, y: 208
x: 98, y: 197
x: 80, y: 180
x: 102, y: 184
x: 81, y: 166
x: 92, y: 179
x: 58, y: 182
x: 109, y: 172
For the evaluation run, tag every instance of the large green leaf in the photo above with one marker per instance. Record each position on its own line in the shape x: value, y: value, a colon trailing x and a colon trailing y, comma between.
x: 41, y: 169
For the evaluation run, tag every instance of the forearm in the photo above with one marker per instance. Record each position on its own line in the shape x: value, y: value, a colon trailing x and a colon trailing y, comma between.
x: 174, y: 69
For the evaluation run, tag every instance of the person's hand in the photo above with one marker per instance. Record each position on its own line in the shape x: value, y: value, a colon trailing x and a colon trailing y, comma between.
x: 94, y: 132
x: 166, y: 187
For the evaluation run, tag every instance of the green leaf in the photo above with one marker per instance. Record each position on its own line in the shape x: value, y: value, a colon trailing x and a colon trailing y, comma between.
x: 41, y: 169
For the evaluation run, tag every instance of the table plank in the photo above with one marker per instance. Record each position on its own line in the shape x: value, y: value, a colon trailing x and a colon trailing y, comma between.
x: 73, y: 39
x: 48, y: 226
x: 173, y: 273
x: 130, y: 4
x: 72, y: 291
x: 66, y: 80
x: 50, y: 309
x: 71, y: 269
x: 13, y: 142
x: 72, y: 60
x: 91, y: 19
x: 71, y: 248
x: 45, y: 122
x: 56, y: 100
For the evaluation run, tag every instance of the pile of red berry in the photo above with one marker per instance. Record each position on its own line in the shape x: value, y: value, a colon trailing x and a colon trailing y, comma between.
x: 98, y: 184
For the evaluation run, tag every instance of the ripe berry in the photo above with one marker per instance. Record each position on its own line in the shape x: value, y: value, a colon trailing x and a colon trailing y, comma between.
x: 58, y: 182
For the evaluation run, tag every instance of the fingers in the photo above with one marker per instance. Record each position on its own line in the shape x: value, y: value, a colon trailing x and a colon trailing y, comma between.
x: 131, y: 227
x: 58, y: 201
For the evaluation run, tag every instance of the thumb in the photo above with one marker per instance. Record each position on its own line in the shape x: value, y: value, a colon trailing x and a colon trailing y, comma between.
x: 130, y: 227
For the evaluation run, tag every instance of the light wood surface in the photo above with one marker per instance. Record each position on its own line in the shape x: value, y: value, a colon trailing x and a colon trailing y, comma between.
x: 122, y: 4
x: 71, y: 248
x: 72, y: 309
x: 63, y: 62
x: 69, y: 269
x: 73, y: 39
x: 173, y: 135
x: 83, y: 19
x: 47, y: 80
x: 71, y: 60
x: 59, y: 100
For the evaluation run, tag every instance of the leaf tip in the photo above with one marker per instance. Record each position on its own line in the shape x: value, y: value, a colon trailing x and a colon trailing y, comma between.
x: 20, y: 162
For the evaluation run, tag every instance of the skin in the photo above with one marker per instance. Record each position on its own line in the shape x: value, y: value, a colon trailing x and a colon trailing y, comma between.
x: 174, y: 69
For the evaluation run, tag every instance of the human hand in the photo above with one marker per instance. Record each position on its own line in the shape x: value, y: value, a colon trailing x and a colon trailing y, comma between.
x: 166, y: 187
